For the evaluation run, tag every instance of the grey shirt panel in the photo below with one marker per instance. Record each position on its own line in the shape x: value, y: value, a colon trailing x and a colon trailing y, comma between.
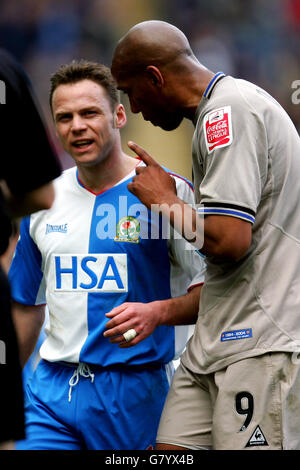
x: 252, y: 306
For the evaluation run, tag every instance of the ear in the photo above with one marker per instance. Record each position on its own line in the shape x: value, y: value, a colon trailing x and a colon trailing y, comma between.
x: 120, y: 118
x: 155, y: 76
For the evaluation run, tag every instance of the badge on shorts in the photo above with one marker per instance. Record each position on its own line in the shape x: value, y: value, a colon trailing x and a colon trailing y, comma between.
x: 217, y: 128
x: 257, y: 438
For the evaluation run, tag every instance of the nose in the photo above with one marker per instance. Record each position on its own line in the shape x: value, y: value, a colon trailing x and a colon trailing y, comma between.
x: 78, y: 124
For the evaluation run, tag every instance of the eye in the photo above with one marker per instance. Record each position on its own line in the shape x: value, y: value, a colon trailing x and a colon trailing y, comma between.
x: 89, y: 113
x: 64, y: 118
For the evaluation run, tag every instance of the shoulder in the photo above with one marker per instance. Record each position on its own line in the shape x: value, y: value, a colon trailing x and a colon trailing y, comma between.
x: 66, y: 179
x: 237, y: 94
x: 234, y: 106
x: 62, y: 186
x: 180, y: 180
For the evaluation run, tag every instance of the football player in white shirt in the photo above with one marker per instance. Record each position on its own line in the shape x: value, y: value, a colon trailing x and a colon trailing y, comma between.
x: 238, y: 378
x: 114, y: 284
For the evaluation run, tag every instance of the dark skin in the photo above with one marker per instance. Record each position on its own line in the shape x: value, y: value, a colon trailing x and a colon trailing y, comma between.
x: 169, y: 82
x: 158, y: 56
x: 165, y: 82
x: 226, y: 238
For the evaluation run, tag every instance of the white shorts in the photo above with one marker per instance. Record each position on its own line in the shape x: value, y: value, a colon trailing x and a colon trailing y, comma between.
x: 252, y: 404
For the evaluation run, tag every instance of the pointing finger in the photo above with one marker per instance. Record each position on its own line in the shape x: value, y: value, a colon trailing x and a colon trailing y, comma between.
x: 139, y: 170
x: 142, y: 154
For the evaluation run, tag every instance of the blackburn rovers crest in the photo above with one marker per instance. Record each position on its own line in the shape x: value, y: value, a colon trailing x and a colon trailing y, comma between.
x: 128, y: 230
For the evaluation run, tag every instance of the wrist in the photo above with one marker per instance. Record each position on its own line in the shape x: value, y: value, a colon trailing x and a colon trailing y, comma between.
x: 163, y: 311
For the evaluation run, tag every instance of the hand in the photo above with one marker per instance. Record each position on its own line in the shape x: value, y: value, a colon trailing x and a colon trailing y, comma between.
x: 143, y: 317
x: 152, y: 184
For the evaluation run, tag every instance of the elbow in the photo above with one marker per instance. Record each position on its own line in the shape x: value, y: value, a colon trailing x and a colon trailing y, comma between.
x: 234, y: 255
x: 227, y: 239
x: 228, y: 252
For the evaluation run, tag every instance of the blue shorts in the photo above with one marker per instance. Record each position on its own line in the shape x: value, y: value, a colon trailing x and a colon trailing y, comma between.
x: 105, y: 409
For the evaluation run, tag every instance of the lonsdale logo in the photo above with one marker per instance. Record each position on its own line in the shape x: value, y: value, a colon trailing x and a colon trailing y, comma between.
x: 128, y: 230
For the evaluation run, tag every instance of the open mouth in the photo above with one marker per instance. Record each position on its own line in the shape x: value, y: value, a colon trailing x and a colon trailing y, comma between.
x: 82, y: 144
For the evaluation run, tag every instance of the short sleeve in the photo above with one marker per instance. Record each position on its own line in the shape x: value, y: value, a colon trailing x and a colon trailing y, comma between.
x: 233, y: 144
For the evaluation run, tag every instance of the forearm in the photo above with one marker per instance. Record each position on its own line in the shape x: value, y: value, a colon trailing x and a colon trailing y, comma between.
x: 28, y: 322
x: 145, y: 317
x: 225, y: 238
x: 181, y: 310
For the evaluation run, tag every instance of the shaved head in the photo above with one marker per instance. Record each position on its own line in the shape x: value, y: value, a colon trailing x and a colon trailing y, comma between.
x: 154, y: 65
x: 150, y: 42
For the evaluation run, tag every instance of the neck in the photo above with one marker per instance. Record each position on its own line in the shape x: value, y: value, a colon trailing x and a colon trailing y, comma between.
x: 105, y: 174
x: 199, y: 78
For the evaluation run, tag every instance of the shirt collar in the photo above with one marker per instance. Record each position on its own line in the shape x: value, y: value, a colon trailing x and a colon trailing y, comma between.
x: 206, y: 95
x: 213, y: 83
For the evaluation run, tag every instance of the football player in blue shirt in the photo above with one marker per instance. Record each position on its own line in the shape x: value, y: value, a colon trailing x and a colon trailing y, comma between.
x: 116, y: 280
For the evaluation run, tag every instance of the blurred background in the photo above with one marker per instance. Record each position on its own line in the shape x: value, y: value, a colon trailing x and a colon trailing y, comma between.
x: 258, y: 40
